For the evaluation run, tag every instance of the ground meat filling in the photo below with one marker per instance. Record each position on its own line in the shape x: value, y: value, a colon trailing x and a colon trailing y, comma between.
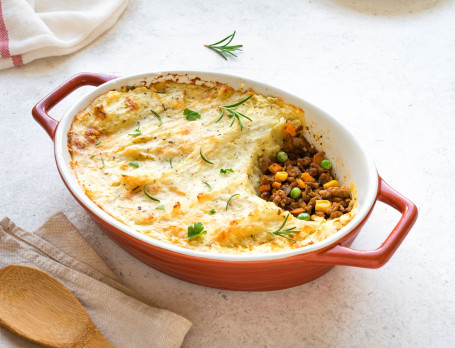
x: 317, y: 192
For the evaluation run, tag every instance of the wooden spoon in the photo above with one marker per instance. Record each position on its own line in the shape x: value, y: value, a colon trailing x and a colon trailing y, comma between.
x: 36, y: 306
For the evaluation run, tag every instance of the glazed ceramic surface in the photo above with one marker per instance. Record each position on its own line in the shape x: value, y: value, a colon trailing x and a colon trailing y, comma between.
x: 236, y: 271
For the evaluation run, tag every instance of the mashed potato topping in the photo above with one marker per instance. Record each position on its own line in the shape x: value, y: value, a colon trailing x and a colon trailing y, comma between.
x: 143, y: 154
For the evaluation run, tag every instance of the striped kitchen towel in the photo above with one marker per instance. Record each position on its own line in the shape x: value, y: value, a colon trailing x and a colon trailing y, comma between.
x: 32, y: 29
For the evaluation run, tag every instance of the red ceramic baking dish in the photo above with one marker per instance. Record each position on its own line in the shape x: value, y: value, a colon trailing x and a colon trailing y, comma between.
x: 257, y: 272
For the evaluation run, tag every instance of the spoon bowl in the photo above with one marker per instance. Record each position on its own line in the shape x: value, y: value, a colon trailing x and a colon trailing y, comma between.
x: 36, y: 306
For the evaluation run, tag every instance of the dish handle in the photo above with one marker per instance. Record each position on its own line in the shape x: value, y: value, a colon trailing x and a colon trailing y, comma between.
x: 40, y: 111
x: 345, y: 256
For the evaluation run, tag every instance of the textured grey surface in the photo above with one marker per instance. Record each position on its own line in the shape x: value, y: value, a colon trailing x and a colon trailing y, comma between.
x: 383, y: 68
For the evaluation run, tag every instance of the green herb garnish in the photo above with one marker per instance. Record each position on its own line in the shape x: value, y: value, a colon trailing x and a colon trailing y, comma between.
x: 98, y: 142
x: 227, y: 204
x: 160, y: 207
x: 284, y: 233
x: 159, y: 117
x: 233, y: 113
x: 225, y: 171
x: 170, y: 162
x: 152, y: 198
x: 128, y: 88
x: 92, y: 156
x: 102, y: 160
x: 196, y: 230
x: 191, y: 115
x: 205, y: 159
x: 224, y: 50
x: 134, y: 164
x: 208, y: 185
x: 213, y: 211
x: 136, y: 132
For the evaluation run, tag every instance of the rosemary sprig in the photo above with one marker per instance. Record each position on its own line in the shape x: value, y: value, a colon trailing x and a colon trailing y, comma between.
x: 202, y: 156
x: 233, y: 113
x: 284, y: 233
x: 227, y: 204
x: 152, y: 198
x: 159, y: 117
x: 208, y: 185
x: 224, y: 50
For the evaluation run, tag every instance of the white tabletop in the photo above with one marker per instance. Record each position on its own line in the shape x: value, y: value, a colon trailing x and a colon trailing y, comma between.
x: 383, y: 68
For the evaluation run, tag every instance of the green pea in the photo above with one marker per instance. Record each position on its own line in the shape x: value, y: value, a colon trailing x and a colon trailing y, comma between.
x: 282, y: 157
x: 296, y: 192
x: 304, y: 216
x: 326, y: 164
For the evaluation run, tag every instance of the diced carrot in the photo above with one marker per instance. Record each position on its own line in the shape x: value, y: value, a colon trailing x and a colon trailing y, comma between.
x: 276, y: 184
x: 297, y: 211
x: 318, y: 158
x: 289, y: 129
x: 263, y: 188
x: 300, y: 183
x: 275, y: 167
x: 307, y: 177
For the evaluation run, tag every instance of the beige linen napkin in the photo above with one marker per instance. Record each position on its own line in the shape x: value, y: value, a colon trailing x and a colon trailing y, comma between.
x: 121, y: 315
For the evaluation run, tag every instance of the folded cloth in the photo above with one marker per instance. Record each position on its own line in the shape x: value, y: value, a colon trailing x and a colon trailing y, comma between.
x: 32, y: 29
x: 121, y: 315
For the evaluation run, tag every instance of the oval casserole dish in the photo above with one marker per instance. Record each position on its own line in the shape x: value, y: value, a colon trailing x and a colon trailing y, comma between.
x: 252, y: 272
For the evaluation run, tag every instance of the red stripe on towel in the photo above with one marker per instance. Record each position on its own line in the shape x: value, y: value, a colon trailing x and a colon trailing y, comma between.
x: 17, y: 60
x: 4, y: 41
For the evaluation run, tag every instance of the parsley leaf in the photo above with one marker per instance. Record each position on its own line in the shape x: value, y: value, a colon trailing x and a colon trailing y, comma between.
x: 213, y: 211
x: 136, y: 132
x: 98, y: 142
x: 134, y: 164
x: 196, y: 230
x: 160, y: 207
x: 191, y: 115
x: 225, y: 171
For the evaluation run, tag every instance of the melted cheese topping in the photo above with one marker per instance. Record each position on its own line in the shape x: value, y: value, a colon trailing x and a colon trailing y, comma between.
x: 105, y: 148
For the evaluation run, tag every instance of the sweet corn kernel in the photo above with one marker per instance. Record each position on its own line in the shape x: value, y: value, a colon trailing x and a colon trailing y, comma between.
x: 281, y: 176
x: 322, y: 205
x: 332, y: 183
